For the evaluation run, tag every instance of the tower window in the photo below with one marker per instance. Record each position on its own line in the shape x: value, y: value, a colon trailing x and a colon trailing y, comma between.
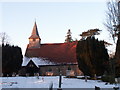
x: 33, y: 39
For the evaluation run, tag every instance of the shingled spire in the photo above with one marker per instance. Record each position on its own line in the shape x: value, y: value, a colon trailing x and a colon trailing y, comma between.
x: 34, y: 39
x: 34, y: 33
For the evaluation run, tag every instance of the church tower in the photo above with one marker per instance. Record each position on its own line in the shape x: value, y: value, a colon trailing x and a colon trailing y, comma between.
x: 34, y: 39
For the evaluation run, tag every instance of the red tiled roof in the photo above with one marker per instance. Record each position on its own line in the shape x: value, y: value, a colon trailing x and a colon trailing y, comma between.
x: 56, y: 52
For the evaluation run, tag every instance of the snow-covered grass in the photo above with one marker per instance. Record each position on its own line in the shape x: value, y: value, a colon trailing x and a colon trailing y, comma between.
x: 44, y: 82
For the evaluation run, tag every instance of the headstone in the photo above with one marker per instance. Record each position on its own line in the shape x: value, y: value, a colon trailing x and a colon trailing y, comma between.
x: 37, y: 75
x: 95, y: 77
x: 7, y: 75
x: 43, y: 79
x: 70, y: 73
x: 17, y: 75
x: 118, y: 80
x: 27, y: 74
x: 13, y: 74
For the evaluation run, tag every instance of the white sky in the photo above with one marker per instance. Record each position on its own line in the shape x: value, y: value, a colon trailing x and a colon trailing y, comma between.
x: 53, y: 19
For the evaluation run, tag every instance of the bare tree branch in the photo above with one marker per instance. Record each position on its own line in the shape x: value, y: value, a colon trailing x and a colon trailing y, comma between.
x: 4, y: 38
x: 112, y: 18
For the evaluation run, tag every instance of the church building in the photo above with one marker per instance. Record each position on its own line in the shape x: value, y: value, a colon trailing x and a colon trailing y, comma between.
x: 50, y: 58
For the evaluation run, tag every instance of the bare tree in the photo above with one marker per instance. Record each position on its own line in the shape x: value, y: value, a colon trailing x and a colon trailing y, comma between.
x: 113, y: 26
x: 4, y: 38
x: 113, y: 18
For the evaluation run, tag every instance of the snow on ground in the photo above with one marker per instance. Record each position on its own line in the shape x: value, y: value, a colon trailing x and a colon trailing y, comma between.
x: 44, y: 82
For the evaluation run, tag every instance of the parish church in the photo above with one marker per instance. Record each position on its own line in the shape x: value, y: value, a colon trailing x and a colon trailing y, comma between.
x: 50, y: 58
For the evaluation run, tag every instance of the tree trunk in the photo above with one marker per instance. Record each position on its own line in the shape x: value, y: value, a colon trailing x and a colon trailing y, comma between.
x: 117, y: 56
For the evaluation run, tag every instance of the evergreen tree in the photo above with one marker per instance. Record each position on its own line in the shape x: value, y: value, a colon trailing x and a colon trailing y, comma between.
x: 11, y: 59
x: 92, y: 56
x: 69, y: 37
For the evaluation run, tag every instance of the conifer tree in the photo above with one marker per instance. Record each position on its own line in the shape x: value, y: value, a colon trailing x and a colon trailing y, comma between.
x: 92, y: 56
x: 69, y: 37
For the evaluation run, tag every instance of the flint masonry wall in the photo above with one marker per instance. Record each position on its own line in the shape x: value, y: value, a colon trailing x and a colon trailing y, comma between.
x: 55, y: 69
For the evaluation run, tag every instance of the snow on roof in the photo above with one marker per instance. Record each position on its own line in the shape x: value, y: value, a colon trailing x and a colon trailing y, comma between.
x: 37, y: 61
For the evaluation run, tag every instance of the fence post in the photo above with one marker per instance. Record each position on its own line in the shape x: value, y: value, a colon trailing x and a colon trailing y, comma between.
x: 97, y: 88
x: 51, y: 86
x: 85, y: 78
x: 60, y: 79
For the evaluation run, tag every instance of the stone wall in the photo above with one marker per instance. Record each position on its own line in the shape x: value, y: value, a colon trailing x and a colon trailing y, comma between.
x: 57, y: 69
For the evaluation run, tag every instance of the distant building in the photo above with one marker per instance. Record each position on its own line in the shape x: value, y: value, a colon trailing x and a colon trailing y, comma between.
x: 50, y: 58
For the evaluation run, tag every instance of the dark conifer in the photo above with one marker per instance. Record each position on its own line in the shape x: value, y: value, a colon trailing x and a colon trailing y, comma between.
x: 92, y: 56
x: 11, y: 59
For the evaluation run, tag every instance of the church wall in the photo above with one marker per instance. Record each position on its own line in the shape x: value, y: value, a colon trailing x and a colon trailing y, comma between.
x: 34, y: 44
x: 56, y: 69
